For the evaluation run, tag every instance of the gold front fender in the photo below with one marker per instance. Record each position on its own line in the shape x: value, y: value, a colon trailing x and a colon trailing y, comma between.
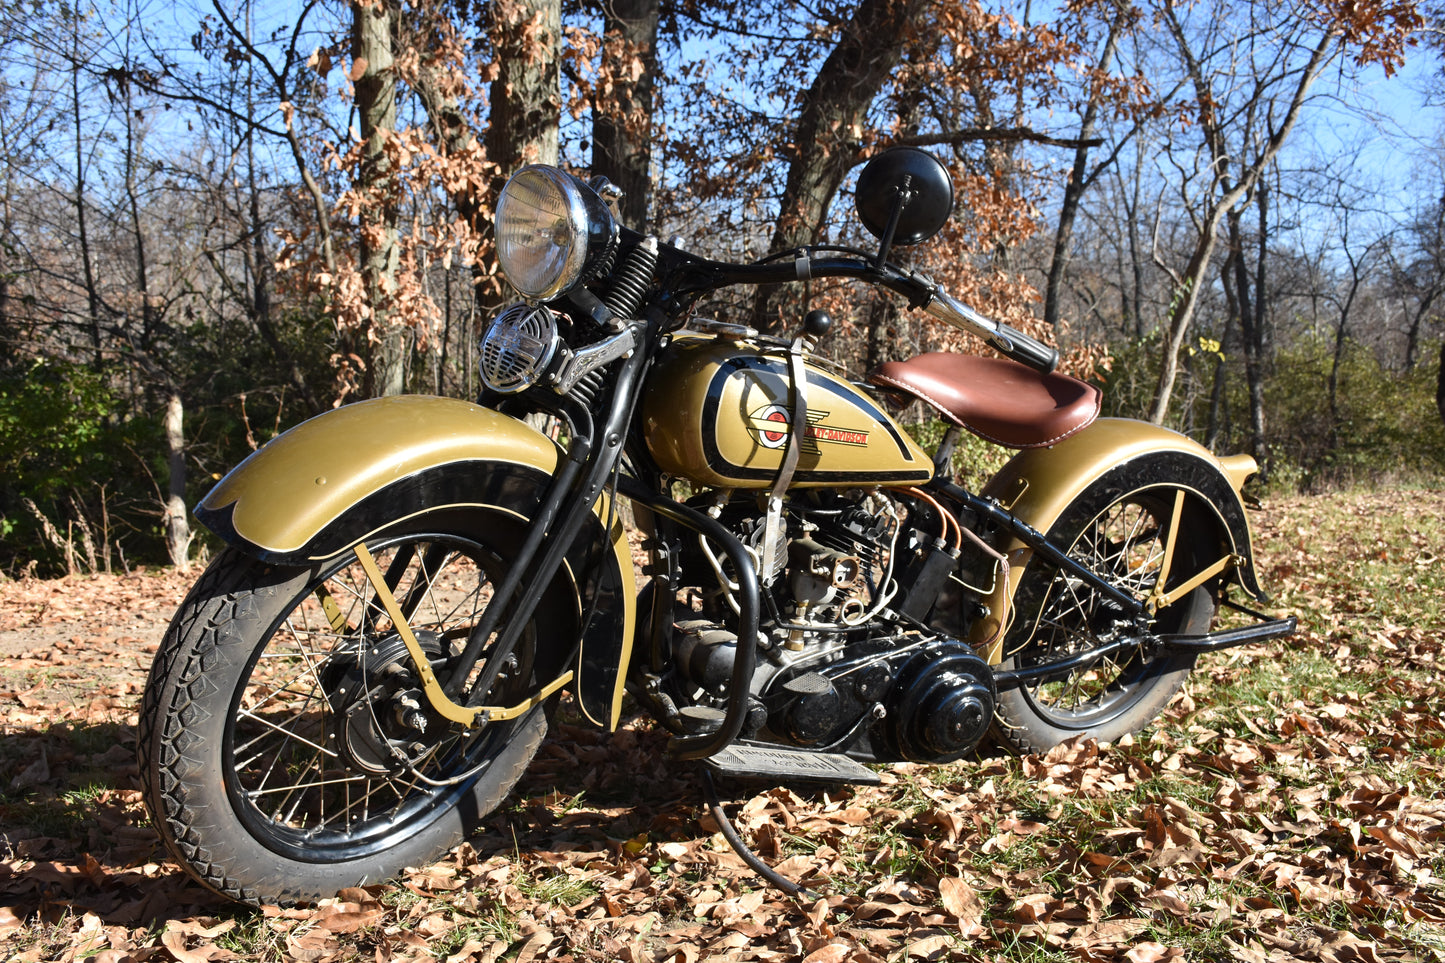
x: 288, y: 492
x: 1038, y: 484
x: 338, y: 479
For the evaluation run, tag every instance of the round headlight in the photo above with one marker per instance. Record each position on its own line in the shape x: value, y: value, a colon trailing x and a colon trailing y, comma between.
x: 552, y: 231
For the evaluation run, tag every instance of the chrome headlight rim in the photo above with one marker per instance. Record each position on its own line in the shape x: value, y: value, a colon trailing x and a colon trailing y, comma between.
x: 552, y: 232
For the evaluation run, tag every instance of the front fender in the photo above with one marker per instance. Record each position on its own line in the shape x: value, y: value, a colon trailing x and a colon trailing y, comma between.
x: 339, y: 478
x: 1038, y: 484
x: 280, y: 502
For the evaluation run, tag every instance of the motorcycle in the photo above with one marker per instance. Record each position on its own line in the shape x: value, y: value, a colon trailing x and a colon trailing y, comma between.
x: 410, y: 584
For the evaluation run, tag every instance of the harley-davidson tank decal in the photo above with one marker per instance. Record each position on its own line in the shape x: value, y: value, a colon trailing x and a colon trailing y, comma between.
x: 770, y: 425
x: 720, y: 413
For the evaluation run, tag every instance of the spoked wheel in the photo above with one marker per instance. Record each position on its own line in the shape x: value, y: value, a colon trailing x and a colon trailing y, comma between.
x: 1121, y: 532
x: 288, y: 749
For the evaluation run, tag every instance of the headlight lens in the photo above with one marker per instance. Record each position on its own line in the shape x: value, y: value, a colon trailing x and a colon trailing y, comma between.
x: 552, y: 231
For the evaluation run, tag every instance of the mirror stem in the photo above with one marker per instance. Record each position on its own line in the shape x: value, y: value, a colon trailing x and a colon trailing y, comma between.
x: 905, y: 194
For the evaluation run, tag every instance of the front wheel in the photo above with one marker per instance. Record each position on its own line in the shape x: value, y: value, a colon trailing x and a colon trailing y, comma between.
x: 1120, y: 527
x: 287, y: 750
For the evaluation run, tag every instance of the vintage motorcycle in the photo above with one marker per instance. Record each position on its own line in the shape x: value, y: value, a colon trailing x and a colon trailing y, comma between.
x: 412, y: 583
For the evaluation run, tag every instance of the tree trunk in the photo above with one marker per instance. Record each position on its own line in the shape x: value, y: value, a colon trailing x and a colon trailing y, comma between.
x: 830, y: 122
x: 178, y: 527
x: 142, y: 274
x: 456, y: 140
x: 9, y: 340
x: 92, y: 293
x: 526, y: 97
x: 1218, y: 412
x: 883, y: 316
x: 523, y: 122
x: 1181, y: 314
x: 1251, y: 318
x: 1332, y: 381
x: 1431, y: 235
x: 1079, y: 180
x: 372, y: 53
x: 1440, y: 384
x: 526, y: 107
x: 622, y: 128
x: 1412, y: 339
x: 1261, y: 337
x: 1232, y: 313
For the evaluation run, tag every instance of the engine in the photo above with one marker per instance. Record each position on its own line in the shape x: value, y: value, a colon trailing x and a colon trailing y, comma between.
x: 839, y: 668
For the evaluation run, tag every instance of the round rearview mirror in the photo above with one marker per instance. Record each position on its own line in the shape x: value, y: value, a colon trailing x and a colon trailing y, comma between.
x: 915, y: 184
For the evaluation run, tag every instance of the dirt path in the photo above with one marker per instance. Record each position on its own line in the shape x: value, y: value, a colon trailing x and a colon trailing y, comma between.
x: 84, y: 632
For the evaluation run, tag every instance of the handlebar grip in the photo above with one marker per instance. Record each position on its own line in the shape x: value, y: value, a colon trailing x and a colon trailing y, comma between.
x: 1022, y: 348
x: 1014, y: 344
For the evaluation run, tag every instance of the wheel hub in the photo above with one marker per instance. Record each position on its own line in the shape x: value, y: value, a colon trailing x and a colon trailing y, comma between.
x: 381, y: 718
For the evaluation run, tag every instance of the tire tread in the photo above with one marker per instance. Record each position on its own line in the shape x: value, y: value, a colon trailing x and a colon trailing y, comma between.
x: 202, y: 633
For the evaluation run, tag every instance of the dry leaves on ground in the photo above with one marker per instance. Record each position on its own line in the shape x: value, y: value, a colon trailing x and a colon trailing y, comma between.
x: 1287, y: 807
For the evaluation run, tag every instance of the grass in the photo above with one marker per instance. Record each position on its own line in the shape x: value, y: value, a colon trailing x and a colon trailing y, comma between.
x: 253, y: 938
x: 498, y: 925
x: 561, y: 888
x: 45, y: 941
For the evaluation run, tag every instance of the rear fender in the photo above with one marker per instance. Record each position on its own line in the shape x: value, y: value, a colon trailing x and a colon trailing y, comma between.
x: 341, y: 477
x: 1038, y: 484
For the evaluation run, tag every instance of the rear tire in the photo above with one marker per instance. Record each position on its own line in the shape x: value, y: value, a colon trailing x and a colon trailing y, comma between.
x: 1119, y: 527
x: 286, y: 749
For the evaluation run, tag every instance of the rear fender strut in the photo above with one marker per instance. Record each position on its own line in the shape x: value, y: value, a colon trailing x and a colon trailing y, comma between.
x: 1127, y: 604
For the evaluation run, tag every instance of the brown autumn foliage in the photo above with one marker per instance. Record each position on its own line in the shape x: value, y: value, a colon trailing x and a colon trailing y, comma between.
x: 767, y: 110
x: 959, y: 79
x: 1303, y: 823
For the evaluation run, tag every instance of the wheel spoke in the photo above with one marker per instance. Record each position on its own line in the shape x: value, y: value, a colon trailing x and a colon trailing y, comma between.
x: 315, y: 784
x: 320, y: 744
x: 1126, y: 545
x: 289, y: 734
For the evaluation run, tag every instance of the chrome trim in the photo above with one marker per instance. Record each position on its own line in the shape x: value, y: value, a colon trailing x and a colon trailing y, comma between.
x: 594, y: 356
x: 517, y: 348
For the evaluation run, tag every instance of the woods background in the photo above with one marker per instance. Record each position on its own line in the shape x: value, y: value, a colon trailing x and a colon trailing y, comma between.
x: 217, y: 220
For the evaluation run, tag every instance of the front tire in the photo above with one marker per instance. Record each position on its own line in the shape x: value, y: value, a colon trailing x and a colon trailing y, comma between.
x: 1119, y: 526
x: 286, y: 748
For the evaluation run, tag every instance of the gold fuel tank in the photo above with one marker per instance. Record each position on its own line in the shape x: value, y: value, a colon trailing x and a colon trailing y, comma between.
x: 717, y: 412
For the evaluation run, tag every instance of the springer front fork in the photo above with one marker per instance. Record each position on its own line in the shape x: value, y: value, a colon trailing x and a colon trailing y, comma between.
x: 591, y: 459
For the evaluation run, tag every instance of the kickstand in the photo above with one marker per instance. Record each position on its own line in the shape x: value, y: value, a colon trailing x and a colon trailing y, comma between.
x: 730, y: 833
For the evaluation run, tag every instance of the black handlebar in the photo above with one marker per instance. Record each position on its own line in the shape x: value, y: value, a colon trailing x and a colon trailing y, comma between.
x: 920, y: 291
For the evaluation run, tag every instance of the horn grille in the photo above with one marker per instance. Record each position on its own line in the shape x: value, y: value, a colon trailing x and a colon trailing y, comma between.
x: 517, y: 347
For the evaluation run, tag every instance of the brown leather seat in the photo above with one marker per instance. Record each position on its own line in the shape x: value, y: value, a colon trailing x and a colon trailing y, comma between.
x: 999, y: 400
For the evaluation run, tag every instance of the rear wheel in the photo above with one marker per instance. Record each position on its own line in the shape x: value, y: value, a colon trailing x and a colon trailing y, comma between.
x: 1120, y: 528
x: 287, y: 747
